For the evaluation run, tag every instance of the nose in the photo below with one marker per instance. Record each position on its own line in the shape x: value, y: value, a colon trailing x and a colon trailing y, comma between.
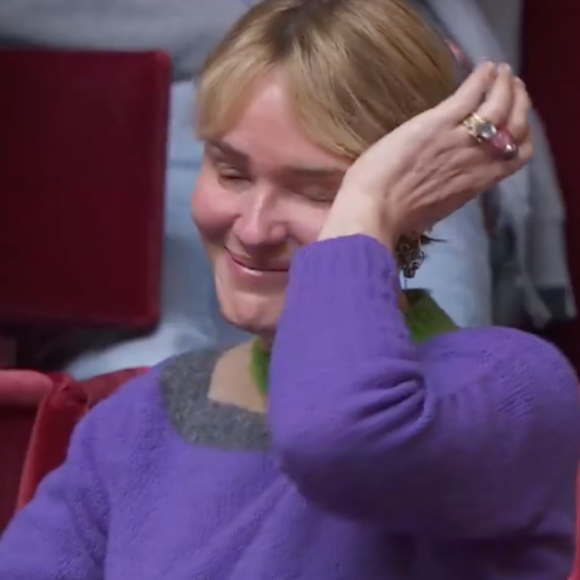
x: 261, y: 221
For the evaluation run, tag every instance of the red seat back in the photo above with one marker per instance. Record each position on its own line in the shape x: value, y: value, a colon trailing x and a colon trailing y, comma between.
x: 83, y: 149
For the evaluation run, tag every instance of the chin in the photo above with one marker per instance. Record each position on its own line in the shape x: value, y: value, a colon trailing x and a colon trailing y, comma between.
x: 252, y: 313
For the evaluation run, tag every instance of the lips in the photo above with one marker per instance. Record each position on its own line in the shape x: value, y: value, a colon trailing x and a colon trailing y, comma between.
x: 258, y: 265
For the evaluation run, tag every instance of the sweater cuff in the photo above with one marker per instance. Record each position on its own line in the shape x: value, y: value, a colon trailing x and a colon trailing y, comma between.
x: 347, y: 255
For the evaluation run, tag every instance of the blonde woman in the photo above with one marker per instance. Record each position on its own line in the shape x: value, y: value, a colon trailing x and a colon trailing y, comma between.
x: 360, y: 436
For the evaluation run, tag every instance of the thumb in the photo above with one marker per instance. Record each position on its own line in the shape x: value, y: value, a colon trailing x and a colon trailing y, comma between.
x: 470, y: 94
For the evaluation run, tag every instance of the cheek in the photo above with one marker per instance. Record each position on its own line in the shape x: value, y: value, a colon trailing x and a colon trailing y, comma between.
x: 213, y: 210
x: 305, y: 222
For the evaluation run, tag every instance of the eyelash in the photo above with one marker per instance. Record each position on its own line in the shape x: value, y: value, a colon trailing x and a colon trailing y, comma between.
x: 227, y: 173
x: 320, y: 196
x: 230, y: 174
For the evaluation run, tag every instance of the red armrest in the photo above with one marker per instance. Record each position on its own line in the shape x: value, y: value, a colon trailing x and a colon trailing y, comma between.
x: 37, y: 416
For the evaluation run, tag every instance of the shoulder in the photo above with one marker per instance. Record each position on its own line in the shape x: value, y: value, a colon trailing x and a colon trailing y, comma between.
x: 506, y: 353
x: 525, y: 395
x: 122, y: 422
x: 495, y: 347
x: 520, y: 368
x: 497, y: 344
x: 142, y: 401
x: 137, y: 416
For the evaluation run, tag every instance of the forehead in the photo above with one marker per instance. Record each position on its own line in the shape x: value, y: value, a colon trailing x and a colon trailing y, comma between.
x: 268, y: 133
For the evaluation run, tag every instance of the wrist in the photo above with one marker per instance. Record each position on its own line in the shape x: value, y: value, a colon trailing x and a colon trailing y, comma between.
x: 363, y: 219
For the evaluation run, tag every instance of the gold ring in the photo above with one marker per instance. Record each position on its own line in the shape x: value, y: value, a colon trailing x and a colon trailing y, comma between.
x: 480, y: 128
x: 484, y: 131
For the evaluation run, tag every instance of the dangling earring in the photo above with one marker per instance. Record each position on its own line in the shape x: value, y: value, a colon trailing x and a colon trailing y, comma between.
x: 410, y: 255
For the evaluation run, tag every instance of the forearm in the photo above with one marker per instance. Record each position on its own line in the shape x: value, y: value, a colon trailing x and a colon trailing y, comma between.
x: 347, y: 389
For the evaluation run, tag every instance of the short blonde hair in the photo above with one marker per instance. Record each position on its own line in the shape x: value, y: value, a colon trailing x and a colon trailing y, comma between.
x: 356, y: 69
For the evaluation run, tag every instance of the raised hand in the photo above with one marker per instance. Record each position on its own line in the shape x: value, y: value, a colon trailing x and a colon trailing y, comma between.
x: 438, y: 161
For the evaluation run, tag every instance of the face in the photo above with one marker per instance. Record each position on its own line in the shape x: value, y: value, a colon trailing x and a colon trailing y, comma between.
x: 264, y: 191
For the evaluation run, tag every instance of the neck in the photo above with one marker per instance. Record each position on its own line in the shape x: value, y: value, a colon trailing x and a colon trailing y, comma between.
x: 232, y: 381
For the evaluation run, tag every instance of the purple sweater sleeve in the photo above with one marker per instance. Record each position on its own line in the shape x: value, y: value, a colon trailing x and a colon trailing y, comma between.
x: 61, y: 533
x: 474, y: 434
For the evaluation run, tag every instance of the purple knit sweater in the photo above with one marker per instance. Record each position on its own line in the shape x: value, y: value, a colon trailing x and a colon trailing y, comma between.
x: 378, y: 460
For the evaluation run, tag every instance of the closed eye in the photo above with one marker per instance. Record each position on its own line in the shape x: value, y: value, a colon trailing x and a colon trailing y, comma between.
x: 230, y: 175
x: 317, y: 194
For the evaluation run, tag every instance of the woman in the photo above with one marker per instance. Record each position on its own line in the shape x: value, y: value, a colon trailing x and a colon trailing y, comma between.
x: 380, y: 457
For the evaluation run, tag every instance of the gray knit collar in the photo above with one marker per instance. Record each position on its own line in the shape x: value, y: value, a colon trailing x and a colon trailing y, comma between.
x: 185, y: 382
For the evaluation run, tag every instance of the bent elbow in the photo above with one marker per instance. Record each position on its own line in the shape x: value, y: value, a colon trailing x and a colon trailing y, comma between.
x: 345, y: 469
x: 320, y: 469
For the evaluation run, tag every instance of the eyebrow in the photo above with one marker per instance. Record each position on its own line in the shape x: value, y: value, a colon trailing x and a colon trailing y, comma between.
x: 311, y: 172
x: 317, y: 172
x: 230, y: 151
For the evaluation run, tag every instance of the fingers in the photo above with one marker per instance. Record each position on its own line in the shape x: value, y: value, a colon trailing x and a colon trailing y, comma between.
x: 469, y: 96
x: 498, y: 103
x: 518, y: 121
x: 494, y: 94
x: 526, y: 151
x: 506, y: 105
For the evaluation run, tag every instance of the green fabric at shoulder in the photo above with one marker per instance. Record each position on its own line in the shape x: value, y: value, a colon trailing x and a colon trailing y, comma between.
x: 259, y: 366
x: 425, y: 318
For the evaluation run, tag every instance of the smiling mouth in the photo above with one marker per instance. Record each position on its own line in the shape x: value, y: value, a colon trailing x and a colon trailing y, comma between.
x: 253, y: 267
